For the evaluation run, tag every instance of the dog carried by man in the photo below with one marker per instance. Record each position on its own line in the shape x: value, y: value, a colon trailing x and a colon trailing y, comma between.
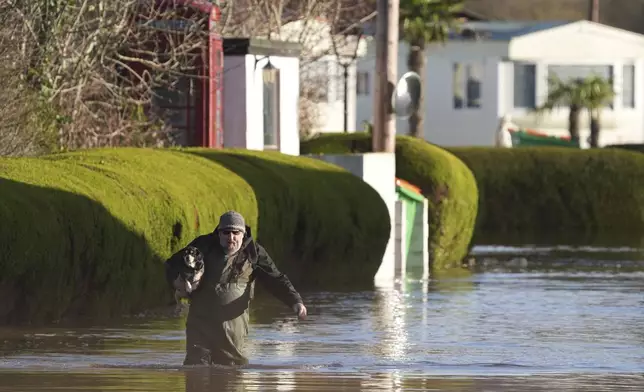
x: 188, y: 271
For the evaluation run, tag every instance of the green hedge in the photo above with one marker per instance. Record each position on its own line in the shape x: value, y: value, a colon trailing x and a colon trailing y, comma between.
x: 629, y: 147
x: 446, y: 182
x: 85, y: 233
x: 537, y: 191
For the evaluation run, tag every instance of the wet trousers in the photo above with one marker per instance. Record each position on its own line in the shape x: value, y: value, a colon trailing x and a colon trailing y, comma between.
x: 218, y: 337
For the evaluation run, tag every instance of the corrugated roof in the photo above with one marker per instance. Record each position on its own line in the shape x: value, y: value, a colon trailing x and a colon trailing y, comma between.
x: 506, y: 30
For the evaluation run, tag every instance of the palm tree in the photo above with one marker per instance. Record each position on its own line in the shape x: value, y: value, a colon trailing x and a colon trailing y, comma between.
x: 569, y: 94
x: 591, y: 93
x: 598, y: 92
x: 423, y: 22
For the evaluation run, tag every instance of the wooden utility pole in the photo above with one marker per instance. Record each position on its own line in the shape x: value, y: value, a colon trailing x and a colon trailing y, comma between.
x: 384, y: 124
x: 594, y: 11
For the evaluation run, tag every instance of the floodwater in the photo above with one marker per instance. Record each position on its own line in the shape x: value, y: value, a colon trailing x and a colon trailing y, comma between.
x: 527, y: 319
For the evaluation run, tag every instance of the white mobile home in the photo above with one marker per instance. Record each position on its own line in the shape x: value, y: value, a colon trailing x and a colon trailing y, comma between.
x: 496, y: 69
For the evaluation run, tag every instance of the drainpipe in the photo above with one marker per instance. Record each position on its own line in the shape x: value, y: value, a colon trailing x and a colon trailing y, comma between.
x: 346, y: 97
x: 594, y: 11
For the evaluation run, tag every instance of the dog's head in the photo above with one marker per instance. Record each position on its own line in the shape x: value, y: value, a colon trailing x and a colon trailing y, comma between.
x: 189, y: 271
x: 193, y: 258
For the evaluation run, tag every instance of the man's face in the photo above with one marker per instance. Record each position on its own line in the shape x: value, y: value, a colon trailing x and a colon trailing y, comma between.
x: 231, y: 240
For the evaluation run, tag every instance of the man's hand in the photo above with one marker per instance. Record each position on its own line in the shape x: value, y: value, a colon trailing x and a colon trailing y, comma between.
x: 182, y: 288
x: 300, y: 310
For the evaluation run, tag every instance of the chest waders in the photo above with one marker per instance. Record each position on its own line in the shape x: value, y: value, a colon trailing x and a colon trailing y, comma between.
x: 217, y: 324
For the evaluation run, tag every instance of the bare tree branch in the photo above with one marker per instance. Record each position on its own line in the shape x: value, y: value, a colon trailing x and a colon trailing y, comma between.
x: 97, y: 65
x: 94, y: 73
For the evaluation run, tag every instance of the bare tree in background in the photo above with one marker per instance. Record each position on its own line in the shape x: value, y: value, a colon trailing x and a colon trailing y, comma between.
x: 20, y: 131
x: 87, y: 71
x: 318, y: 25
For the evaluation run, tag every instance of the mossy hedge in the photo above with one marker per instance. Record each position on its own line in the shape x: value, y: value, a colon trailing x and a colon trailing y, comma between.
x: 628, y: 146
x: 557, y: 192
x: 444, y: 180
x: 85, y: 233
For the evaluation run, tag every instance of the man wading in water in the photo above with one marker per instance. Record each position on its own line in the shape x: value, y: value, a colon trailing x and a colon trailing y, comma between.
x: 217, y: 324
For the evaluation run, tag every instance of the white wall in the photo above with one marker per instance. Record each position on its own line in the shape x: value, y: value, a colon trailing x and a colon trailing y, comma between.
x: 331, y: 113
x: 243, y: 103
x: 289, y: 138
x: 234, y: 102
x: 444, y: 124
x: 584, y: 43
x: 379, y: 171
x: 450, y: 126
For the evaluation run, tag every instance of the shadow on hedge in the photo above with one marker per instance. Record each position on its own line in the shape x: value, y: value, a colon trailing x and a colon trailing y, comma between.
x: 305, y: 204
x: 52, y: 270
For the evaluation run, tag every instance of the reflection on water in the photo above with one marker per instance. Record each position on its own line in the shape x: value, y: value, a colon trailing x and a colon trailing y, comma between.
x: 215, y: 380
x: 388, y: 318
x: 535, y: 328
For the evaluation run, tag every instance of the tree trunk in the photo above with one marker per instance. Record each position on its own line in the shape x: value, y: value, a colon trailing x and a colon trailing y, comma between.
x: 416, y: 63
x: 573, y: 122
x: 594, y: 128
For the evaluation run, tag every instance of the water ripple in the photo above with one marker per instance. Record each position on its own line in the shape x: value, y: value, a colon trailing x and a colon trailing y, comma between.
x: 535, y: 330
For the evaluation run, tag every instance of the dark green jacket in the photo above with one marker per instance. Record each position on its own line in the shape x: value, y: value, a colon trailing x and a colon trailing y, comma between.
x: 262, y: 267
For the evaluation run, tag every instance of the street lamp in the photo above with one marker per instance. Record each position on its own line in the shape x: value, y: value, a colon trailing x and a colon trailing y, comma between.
x: 269, y: 72
x: 346, y: 52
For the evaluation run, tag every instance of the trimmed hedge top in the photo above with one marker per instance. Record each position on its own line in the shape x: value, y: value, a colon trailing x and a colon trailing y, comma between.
x: 85, y: 232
